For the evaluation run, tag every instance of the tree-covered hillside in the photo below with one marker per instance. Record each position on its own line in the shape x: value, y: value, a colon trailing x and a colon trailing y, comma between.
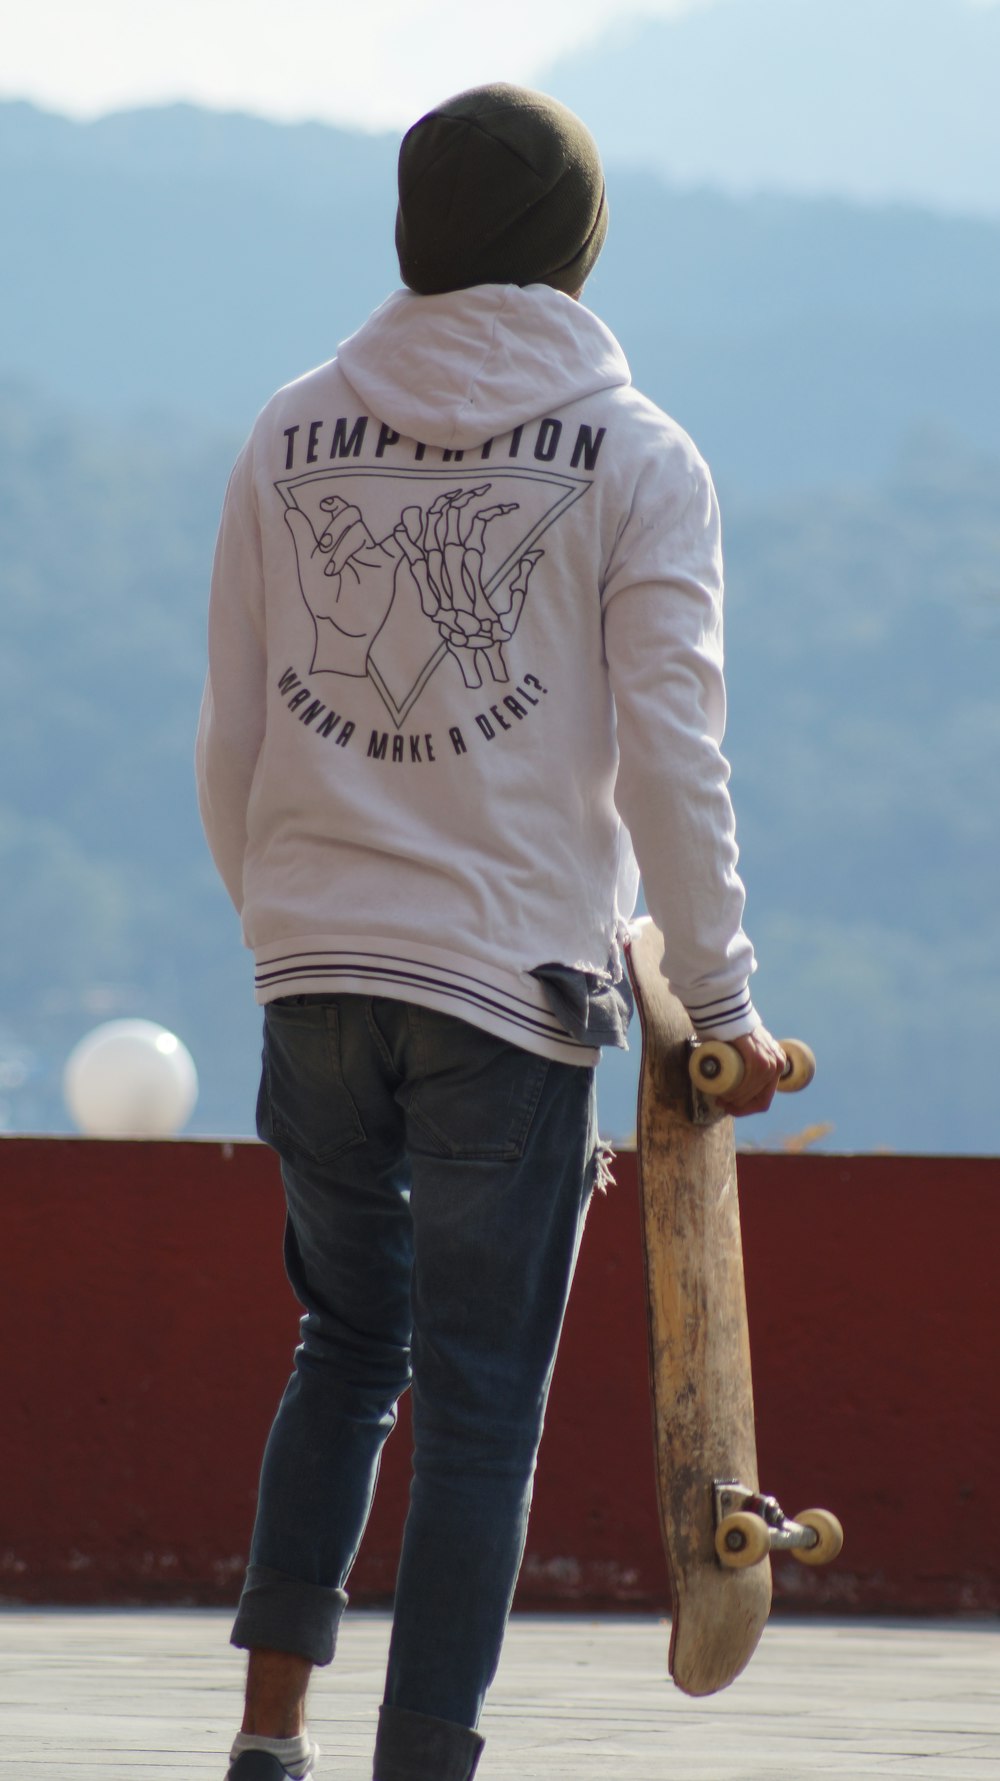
x: 864, y: 637
x: 110, y: 904
x: 863, y: 634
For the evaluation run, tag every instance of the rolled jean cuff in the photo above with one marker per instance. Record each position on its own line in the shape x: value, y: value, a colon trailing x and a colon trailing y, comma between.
x: 414, y: 1747
x: 279, y: 1613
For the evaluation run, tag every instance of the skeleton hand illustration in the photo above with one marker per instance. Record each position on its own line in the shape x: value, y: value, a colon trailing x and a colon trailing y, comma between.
x: 445, y: 548
x: 347, y: 582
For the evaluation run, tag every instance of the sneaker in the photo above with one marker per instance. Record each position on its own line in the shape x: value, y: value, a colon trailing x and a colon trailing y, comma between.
x: 256, y: 1765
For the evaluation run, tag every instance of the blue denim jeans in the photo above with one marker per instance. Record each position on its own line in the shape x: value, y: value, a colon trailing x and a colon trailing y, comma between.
x: 437, y: 1180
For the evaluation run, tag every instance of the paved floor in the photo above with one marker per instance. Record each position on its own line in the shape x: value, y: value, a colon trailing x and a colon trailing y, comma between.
x: 149, y: 1696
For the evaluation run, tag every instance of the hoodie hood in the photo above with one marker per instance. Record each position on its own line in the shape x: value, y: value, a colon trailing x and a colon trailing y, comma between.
x: 457, y: 369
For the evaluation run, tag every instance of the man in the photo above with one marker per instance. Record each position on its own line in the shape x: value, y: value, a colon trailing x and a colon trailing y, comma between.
x: 465, y: 648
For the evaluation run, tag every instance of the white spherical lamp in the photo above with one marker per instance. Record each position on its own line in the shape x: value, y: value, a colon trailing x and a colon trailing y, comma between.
x: 130, y: 1079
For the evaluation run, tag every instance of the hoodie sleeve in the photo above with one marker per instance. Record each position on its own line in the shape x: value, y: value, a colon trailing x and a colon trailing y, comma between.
x: 663, y: 637
x: 231, y: 726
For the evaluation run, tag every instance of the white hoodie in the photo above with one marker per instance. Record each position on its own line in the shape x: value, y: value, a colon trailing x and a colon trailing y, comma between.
x: 465, y: 648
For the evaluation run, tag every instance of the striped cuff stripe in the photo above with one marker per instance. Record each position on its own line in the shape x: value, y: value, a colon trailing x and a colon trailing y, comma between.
x: 729, y: 1008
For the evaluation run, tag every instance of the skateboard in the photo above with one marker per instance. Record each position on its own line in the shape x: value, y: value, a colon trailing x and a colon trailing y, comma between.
x: 718, y: 1529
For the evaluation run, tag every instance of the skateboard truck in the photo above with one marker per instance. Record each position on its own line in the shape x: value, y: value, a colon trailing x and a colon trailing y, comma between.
x: 748, y: 1527
x: 716, y: 1068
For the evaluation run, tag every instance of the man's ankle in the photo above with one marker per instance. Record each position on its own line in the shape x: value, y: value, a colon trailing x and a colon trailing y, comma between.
x: 277, y: 1682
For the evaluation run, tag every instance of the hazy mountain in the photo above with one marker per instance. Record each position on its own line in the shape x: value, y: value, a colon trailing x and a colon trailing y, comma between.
x: 307, y: 162
x: 838, y: 364
x: 184, y: 260
x: 800, y: 341
x: 872, y: 99
x: 181, y: 261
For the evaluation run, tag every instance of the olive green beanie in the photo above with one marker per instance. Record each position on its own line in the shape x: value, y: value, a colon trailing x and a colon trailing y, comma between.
x: 499, y: 185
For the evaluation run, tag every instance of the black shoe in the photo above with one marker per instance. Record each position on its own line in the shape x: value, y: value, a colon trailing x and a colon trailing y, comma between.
x: 256, y: 1765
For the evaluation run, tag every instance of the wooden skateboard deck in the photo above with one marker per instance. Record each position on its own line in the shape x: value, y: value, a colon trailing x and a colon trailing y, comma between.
x: 699, y: 1344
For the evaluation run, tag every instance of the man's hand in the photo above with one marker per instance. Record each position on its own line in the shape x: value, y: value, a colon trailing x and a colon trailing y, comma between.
x: 763, y: 1062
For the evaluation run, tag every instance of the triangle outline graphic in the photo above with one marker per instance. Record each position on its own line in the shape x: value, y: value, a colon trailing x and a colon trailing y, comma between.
x: 563, y: 489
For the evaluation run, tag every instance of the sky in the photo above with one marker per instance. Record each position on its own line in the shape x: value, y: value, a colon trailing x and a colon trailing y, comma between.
x: 376, y: 64
x: 379, y: 64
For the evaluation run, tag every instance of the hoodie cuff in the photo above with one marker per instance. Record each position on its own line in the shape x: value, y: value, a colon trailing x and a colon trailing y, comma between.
x: 729, y: 1017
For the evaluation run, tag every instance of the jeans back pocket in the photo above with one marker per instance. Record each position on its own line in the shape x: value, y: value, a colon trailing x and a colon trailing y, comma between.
x: 305, y: 1106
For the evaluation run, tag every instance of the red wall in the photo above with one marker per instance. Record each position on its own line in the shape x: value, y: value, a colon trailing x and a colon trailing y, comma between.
x: 146, y: 1330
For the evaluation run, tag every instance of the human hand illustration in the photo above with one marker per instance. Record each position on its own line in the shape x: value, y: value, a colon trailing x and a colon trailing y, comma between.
x: 445, y: 548
x: 347, y: 582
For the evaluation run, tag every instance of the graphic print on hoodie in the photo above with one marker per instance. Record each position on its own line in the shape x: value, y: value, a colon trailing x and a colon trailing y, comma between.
x: 401, y: 569
x: 464, y: 648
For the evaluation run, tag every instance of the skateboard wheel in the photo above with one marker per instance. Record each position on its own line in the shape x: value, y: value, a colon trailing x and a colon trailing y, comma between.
x: 742, y: 1539
x: 715, y: 1067
x: 829, y: 1537
x: 801, y: 1066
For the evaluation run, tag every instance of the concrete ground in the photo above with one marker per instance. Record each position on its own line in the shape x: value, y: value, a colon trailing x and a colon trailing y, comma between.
x: 155, y: 1696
